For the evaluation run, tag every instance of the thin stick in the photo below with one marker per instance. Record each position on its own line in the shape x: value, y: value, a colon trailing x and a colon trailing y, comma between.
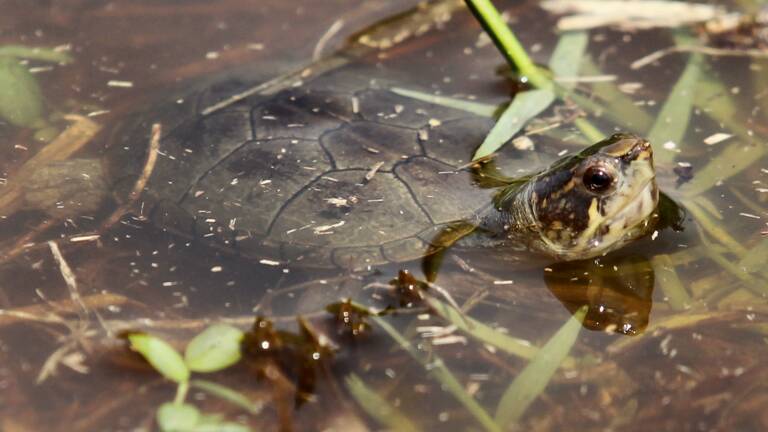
x: 69, y: 278
x: 332, y: 31
x: 141, y: 182
x: 711, y: 51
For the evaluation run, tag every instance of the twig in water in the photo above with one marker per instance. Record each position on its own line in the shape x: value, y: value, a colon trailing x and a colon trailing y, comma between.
x: 141, y: 182
x: 69, y: 278
x: 711, y: 51
x: 332, y: 31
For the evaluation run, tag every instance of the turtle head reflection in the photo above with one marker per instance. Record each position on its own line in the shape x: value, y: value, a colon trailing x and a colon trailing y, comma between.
x: 618, y: 291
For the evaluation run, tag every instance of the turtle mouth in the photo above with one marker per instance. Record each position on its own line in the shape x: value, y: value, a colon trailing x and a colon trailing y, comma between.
x: 637, y: 210
x: 637, y: 204
x: 623, y: 224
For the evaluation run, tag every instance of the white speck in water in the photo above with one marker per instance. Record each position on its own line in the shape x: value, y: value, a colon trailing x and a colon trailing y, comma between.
x: 118, y: 83
x: 716, y: 138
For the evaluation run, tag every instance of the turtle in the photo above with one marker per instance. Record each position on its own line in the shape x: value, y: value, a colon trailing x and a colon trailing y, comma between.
x: 328, y: 166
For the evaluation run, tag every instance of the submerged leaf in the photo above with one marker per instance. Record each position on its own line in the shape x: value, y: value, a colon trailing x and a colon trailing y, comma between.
x: 732, y: 160
x: 754, y: 260
x: 566, y: 58
x: 378, y: 407
x: 215, y: 348
x: 161, y: 356
x: 481, y: 109
x: 615, y: 105
x: 442, y: 374
x: 534, y: 378
x: 677, y: 296
x: 672, y: 121
x: 21, y: 101
x: 511, y: 345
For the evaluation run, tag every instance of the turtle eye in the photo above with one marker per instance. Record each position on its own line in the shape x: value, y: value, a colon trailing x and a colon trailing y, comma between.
x: 597, y: 179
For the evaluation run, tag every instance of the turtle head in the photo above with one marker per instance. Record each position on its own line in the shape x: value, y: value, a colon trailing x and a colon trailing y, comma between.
x: 595, y: 201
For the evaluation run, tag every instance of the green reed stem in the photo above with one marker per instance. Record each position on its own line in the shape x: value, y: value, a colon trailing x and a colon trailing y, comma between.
x: 506, y: 41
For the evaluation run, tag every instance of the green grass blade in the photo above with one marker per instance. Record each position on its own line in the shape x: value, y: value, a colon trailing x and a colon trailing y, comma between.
x: 442, y: 374
x: 524, y: 107
x: 476, y: 329
x: 378, y: 407
x: 672, y: 121
x: 481, y: 109
x: 527, y: 105
x: 532, y: 381
x: 592, y: 133
x: 225, y: 393
x: 757, y: 285
x: 714, y: 229
x: 566, y: 63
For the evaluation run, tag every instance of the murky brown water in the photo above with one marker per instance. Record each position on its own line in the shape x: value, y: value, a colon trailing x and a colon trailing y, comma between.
x: 677, y: 324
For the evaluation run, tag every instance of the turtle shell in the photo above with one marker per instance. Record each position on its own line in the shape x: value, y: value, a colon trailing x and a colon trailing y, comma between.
x: 326, y: 167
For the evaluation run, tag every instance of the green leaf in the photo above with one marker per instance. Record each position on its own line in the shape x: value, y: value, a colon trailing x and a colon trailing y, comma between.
x: 173, y: 417
x: 21, y: 101
x: 532, y: 381
x: 378, y: 407
x: 524, y: 107
x: 161, y: 356
x: 215, y: 348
